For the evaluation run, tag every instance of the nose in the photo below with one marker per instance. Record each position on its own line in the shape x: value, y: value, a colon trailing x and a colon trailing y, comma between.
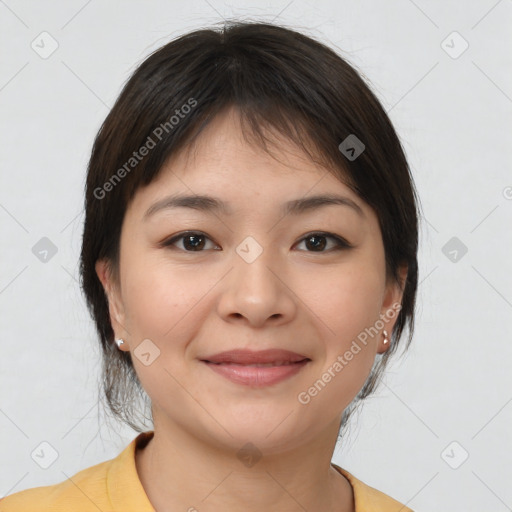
x: 258, y: 292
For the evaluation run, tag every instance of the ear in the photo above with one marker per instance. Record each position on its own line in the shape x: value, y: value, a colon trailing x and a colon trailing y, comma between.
x: 115, y: 303
x: 391, y: 306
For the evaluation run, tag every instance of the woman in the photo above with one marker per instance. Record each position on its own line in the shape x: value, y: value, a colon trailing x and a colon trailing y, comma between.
x: 249, y: 258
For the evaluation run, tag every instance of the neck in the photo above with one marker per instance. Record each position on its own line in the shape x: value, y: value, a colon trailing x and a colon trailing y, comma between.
x: 179, y: 471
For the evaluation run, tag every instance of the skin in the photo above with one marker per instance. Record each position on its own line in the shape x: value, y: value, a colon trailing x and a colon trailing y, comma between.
x: 192, y: 304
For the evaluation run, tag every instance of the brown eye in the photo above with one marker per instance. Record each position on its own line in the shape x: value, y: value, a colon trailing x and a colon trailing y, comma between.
x: 316, y: 242
x: 192, y: 241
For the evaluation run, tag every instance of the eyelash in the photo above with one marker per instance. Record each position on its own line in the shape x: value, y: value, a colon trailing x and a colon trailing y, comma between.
x: 341, y: 243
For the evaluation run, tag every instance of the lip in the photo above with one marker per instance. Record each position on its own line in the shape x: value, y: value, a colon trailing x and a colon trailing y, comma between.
x: 257, y: 376
x: 240, y: 366
x: 246, y: 357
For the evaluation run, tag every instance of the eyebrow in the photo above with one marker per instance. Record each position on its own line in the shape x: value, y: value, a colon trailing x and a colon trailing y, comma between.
x: 208, y: 204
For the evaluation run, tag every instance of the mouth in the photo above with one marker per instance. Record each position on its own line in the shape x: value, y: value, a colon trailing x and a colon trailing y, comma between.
x: 257, y: 369
x: 261, y: 365
x: 250, y: 357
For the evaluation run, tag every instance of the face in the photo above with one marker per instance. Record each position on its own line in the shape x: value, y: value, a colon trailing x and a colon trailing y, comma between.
x: 196, y: 282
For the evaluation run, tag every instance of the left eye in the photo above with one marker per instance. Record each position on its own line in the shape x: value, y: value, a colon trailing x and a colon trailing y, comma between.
x: 316, y: 240
x: 196, y: 241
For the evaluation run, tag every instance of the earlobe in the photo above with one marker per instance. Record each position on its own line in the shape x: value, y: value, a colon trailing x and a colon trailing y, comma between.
x: 391, y: 306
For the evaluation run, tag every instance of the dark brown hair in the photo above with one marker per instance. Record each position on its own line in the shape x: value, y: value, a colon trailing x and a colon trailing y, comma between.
x: 280, y: 81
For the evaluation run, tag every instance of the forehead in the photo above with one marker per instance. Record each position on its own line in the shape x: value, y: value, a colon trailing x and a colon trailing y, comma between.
x: 224, y: 164
x: 223, y: 151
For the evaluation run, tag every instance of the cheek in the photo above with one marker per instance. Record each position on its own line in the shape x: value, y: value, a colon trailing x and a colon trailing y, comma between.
x: 350, y: 307
x: 351, y: 300
x: 159, y: 303
x: 159, y: 297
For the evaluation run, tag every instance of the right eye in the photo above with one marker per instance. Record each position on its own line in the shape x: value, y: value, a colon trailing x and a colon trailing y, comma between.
x: 193, y: 241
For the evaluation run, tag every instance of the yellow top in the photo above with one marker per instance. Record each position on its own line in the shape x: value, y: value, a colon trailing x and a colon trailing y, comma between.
x: 114, y: 486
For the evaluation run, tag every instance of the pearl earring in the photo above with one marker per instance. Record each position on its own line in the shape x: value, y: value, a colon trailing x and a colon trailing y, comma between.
x: 119, y: 342
x: 385, y: 337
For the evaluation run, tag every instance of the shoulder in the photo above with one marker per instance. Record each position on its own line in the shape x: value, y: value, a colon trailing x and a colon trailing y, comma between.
x: 83, y: 492
x: 369, y: 499
x: 109, y: 485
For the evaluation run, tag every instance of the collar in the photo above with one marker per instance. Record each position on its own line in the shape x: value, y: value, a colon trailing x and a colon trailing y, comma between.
x: 123, y: 484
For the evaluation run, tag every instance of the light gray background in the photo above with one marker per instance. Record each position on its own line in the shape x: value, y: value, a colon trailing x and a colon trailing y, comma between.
x: 451, y: 114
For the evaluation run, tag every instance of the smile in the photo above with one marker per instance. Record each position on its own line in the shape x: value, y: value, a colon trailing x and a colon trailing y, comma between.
x: 258, y: 374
